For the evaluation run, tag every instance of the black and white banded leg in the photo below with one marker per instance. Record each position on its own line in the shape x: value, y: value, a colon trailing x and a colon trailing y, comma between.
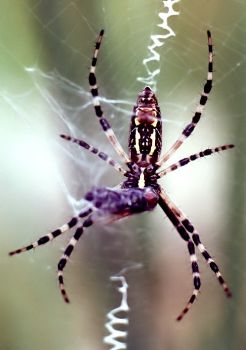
x: 196, y: 239
x: 98, y: 109
x: 166, y: 206
x: 197, y: 116
x: 51, y: 235
x: 187, y: 160
x: 209, y: 260
x: 67, y: 253
x: 96, y: 152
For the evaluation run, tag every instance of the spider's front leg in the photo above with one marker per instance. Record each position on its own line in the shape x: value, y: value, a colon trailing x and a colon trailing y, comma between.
x: 51, y: 235
x: 165, y: 204
x: 68, y: 251
x: 188, y: 232
x: 203, y: 250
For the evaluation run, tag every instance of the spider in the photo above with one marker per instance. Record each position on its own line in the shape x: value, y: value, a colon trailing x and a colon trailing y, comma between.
x: 140, y: 192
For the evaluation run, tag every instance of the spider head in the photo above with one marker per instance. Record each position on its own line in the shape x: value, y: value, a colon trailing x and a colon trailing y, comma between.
x: 145, y: 129
x: 142, y: 175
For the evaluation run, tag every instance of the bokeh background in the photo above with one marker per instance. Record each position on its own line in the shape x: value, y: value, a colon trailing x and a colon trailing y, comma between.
x: 45, y: 52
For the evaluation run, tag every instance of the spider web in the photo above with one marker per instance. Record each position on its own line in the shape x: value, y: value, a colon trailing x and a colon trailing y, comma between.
x: 46, y: 49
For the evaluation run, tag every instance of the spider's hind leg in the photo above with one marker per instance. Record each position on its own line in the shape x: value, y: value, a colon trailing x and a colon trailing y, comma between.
x: 97, y: 106
x: 199, y: 109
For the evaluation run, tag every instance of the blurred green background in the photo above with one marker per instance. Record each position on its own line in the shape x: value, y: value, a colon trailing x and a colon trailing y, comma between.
x: 46, y: 48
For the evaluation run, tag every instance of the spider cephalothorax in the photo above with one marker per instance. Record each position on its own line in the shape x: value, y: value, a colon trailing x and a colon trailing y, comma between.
x: 140, y: 192
x: 141, y: 176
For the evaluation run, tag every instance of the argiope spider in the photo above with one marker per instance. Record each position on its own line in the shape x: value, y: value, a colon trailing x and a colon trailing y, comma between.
x: 140, y: 191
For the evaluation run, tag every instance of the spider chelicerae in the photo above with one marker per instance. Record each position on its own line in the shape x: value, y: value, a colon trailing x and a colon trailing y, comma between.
x: 140, y: 192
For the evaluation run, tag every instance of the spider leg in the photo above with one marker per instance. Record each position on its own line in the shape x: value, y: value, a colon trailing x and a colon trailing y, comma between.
x: 166, y: 205
x: 204, y: 97
x: 97, y: 152
x: 68, y: 251
x: 51, y: 235
x: 196, y: 239
x: 98, y: 109
x: 184, y: 161
x: 211, y: 263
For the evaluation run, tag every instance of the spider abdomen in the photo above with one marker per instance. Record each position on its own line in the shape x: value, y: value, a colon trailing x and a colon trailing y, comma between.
x: 145, y: 138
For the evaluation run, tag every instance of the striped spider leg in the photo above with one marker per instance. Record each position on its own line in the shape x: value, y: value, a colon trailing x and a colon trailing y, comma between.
x: 140, y: 191
x: 98, y: 109
x: 165, y: 205
x: 198, y: 113
x: 51, y: 235
x: 191, y: 236
x: 96, y: 152
x: 192, y: 157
